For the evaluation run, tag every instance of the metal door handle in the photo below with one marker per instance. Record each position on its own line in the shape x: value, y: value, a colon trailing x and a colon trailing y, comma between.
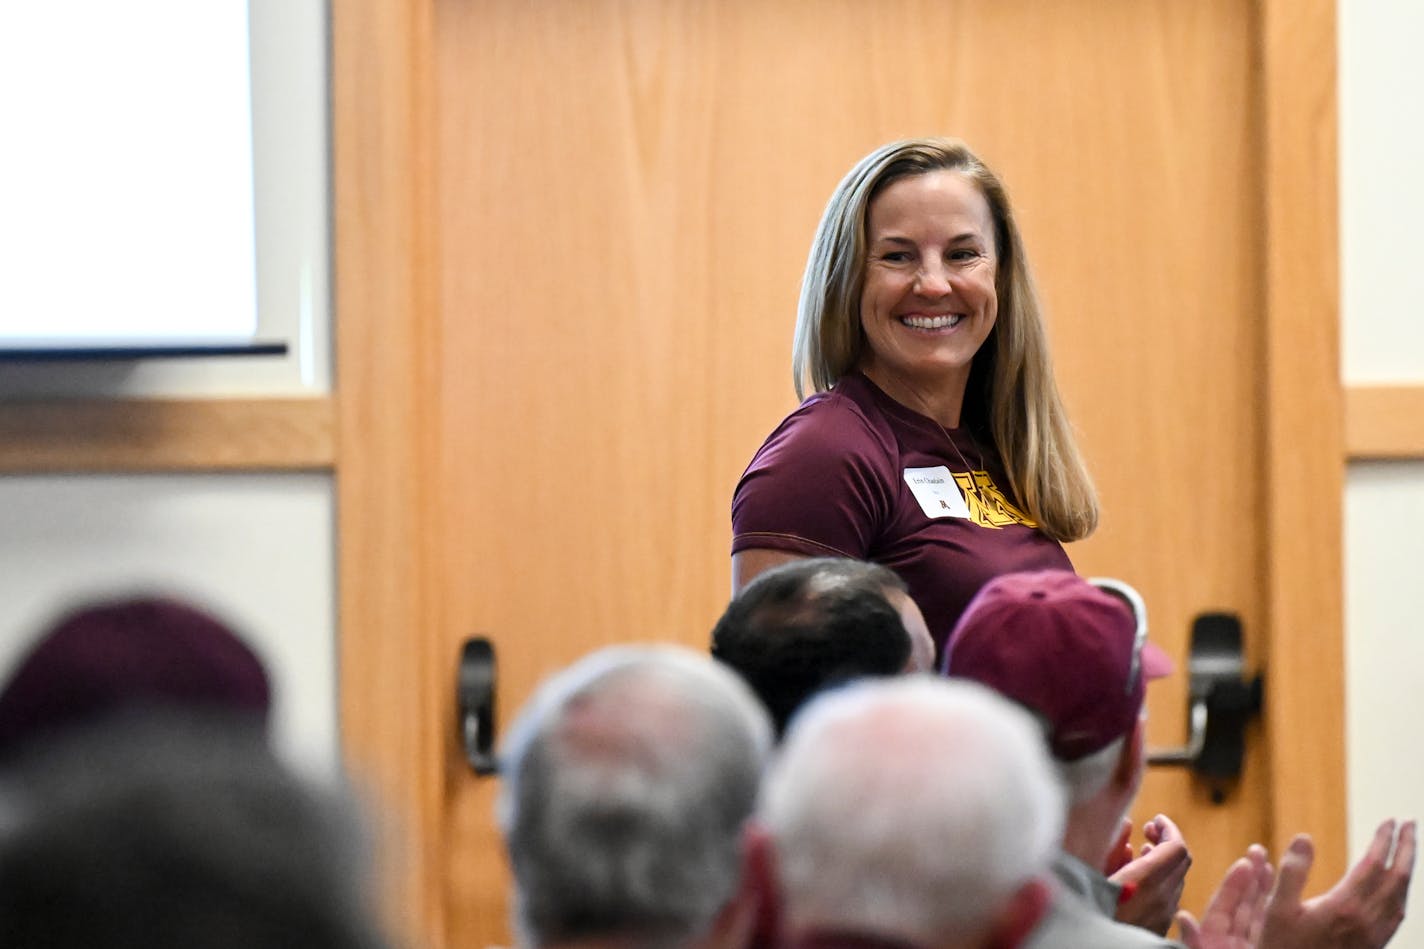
x: 1185, y: 755
x: 474, y: 697
x: 1220, y: 700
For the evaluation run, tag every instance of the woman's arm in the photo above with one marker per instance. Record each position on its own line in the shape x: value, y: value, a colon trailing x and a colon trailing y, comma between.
x: 746, y: 564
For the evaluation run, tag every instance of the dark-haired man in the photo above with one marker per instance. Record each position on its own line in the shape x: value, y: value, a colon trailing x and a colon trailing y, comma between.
x: 808, y: 624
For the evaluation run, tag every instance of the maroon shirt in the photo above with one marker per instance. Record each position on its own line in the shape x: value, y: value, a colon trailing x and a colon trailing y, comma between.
x: 830, y: 481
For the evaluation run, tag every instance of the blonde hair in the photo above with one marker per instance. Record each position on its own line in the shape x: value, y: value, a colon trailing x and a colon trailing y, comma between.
x: 1011, y: 397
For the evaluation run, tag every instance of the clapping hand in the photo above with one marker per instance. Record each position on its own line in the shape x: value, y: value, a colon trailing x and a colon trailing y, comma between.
x: 1236, y: 915
x: 1155, y: 878
x: 1362, y: 911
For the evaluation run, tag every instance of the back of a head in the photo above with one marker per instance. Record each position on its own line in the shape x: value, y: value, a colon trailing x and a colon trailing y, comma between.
x: 134, y: 654
x: 911, y: 809
x: 809, y: 624
x: 171, y: 833
x: 626, y: 780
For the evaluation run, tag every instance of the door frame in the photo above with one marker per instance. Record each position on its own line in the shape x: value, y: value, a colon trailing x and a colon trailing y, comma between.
x: 1303, y: 401
x: 397, y: 718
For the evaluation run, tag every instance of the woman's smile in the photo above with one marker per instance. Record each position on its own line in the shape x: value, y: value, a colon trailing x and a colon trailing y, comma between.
x: 946, y: 321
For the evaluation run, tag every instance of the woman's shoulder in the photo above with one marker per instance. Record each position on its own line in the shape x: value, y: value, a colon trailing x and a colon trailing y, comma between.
x: 821, y: 483
x: 844, y: 418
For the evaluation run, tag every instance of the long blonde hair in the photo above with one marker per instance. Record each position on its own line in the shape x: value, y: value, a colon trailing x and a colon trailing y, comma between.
x: 1011, y: 397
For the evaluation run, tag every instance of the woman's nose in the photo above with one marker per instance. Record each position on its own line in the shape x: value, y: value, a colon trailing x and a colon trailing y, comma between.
x: 932, y: 279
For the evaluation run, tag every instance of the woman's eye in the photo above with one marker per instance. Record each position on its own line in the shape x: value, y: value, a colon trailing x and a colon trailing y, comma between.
x: 896, y: 256
x: 963, y: 254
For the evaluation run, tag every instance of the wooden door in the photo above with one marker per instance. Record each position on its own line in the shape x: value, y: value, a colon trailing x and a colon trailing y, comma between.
x: 570, y: 237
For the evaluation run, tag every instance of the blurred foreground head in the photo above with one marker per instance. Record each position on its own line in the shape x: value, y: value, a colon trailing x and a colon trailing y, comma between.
x: 140, y: 654
x: 911, y: 810
x: 627, y: 779
x: 174, y: 833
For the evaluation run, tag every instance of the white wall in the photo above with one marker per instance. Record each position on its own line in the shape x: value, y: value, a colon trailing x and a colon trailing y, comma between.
x: 1382, y: 284
x: 255, y: 549
x: 258, y: 548
x: 1381, y: 194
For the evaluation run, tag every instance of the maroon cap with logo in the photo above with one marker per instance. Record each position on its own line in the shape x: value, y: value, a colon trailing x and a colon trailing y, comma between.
x: 1066, y: 650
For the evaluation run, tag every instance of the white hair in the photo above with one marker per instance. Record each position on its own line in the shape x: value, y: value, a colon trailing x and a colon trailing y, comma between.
x: 626, y: 781
x: 910, y: 808
x: 1085, y: 778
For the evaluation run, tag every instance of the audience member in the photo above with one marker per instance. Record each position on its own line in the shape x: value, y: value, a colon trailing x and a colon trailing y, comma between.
x: 908, y: 812
x: 1073, y: 656
x: 809, y: 624
x: 627, y: 779
x: 158, y: 831
x: 134, y: 654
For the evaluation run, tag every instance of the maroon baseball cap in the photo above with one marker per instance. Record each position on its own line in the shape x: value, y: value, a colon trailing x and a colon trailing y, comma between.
x: 146, y: 652
x: 1068, y: 651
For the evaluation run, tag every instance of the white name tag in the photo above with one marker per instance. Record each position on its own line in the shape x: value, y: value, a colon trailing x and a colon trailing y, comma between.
x: 936, y: 491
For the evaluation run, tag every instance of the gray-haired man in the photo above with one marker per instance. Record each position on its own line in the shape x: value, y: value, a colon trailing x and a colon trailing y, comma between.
x: 908, y: 812
x: 627, y: 779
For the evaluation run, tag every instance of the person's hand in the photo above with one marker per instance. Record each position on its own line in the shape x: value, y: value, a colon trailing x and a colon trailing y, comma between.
x: 1121, y: 853
x: 1155, y: 878
x: 1236, y: 915
x: 1362, y: 911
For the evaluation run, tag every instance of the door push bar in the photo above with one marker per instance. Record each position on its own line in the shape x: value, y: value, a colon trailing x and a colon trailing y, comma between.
x: 1221, y: 701
x: 474, y: 696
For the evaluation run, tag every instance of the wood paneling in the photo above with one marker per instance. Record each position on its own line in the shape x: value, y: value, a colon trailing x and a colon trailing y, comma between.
x: 392, y: 702
x: 1304, y: 482
x: 45, y: 437
x: 1384, y: 422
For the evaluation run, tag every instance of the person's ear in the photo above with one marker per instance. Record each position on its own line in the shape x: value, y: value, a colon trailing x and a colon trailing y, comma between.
x: 758, y: 888
x: 1130, y: 764
x: 1021, y: 915
x: 735, y: 925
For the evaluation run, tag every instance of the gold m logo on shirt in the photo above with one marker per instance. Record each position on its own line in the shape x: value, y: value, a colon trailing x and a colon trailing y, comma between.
x: 988, y: 507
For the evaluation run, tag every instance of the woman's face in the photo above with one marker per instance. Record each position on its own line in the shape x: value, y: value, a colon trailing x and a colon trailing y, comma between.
x: 929, y: 300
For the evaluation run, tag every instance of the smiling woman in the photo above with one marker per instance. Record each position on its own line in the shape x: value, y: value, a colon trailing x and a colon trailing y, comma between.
x: 928, y: 302
x: 935, y: 441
